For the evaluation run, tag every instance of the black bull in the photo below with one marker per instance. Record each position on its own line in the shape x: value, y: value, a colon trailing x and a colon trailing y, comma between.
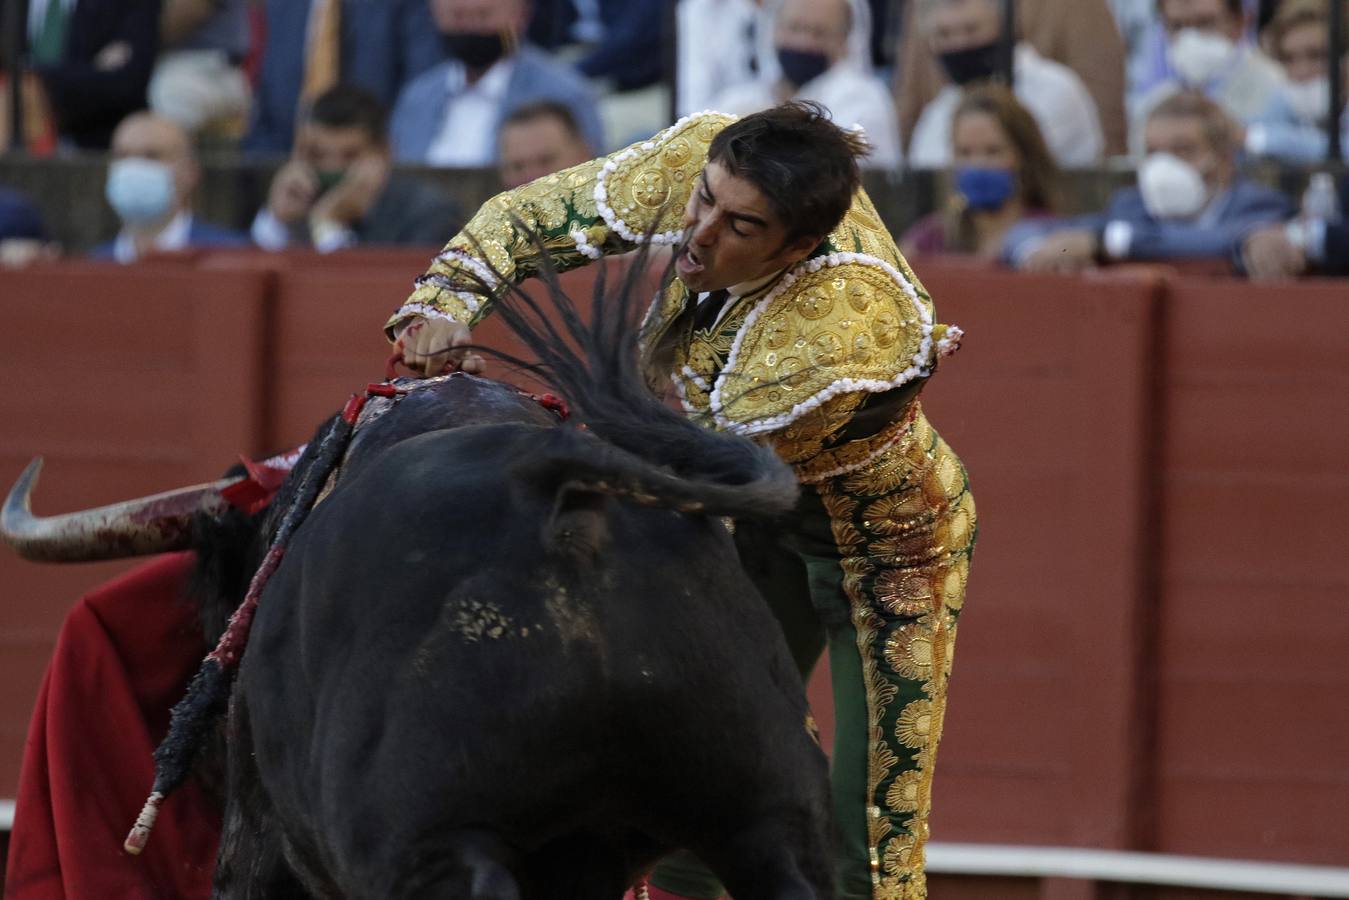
x: 483, y: 671
x: 504, y: 658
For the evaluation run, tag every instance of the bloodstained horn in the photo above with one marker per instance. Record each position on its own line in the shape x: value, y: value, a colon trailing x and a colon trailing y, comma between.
x: 154, y: 524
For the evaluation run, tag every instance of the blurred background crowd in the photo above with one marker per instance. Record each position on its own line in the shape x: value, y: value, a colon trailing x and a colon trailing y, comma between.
x: 1033, y: 134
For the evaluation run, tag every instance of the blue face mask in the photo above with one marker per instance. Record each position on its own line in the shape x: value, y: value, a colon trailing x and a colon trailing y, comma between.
x: 801, y: 66
x: 985, y: 189
x: 139, y: 190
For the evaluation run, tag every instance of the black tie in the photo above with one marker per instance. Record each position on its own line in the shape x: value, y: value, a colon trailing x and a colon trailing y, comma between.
x: 709, y: 308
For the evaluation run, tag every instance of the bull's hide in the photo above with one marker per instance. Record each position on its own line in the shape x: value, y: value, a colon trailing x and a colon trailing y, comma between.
x: 482, y: 672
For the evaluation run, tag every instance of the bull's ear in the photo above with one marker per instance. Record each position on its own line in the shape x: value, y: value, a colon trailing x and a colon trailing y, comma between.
x: 578, y: 528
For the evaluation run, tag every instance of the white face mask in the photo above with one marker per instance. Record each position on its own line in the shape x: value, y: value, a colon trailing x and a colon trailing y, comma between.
x: 1200, y: 56
x: 1171, y: 187
x: 140, y: 190
x: 1309, y: 99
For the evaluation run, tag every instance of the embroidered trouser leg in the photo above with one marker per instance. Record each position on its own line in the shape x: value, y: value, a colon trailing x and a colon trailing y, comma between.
x: 886, y: 556
x: 904, y: 529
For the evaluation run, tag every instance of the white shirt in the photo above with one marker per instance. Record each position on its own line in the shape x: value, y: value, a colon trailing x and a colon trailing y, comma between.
x: 468, y: 136
x: 852, y: 98
x: 1050, y: 91
x: 174, y: 236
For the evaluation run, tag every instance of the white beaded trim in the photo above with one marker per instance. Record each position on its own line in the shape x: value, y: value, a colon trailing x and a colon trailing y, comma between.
x: 951, y: 342
x: 918, y: 369
x: 698, y: 381
x: 583, y: 245
x: 677, y: 380
x: 425, y: 310
x: 602, y: 192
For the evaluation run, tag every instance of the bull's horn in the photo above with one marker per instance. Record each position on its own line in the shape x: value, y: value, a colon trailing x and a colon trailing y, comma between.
x: 154, y: 524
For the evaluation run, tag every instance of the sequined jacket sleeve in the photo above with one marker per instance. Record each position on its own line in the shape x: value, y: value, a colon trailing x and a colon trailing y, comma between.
x: 607, y: 205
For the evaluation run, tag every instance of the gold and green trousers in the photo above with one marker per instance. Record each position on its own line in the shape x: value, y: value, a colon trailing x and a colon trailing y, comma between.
x: 874, y: 568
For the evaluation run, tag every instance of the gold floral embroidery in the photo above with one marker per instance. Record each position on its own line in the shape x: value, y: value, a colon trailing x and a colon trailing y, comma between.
x: 906, y: 586
x: 903, y: 795
x: 909, y: 650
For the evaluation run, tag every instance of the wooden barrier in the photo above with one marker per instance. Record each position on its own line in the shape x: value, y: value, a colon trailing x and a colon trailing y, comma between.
x: 1150, y: 656
x: 128, y: 381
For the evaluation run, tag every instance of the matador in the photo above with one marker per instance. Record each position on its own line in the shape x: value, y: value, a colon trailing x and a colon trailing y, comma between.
x: 794, y: 320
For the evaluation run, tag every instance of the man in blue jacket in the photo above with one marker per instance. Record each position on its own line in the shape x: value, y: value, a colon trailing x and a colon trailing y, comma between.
x: 1189, y: 203
x: 150, y: 184
x: 449, y: 116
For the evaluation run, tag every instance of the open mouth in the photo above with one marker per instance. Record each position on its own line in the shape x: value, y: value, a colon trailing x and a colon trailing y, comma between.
x: 688, y: 262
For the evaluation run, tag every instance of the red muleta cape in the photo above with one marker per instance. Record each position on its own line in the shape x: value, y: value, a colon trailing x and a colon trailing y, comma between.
x: 124, y: 656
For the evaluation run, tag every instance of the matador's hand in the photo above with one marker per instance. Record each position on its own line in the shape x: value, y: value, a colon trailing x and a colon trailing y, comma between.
x: 433, y: 346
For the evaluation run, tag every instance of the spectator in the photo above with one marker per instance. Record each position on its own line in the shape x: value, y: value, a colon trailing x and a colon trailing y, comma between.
x: 1314, y: 243
x: 338, y: 189
x: 378, y: 45
x: 718, y: 48
x: 199, y: 79
x: 1293, y: 127
x: 1080, y: 34
x: 93, y: 58
x: 964, y: 35
x: 1206, y: 50
x: 537, y: 140
x: 822, y: 52
x: 23, y: 238
x: 1004, y: 173
x: 1189, y: 203
x: 150, y: 183
x: 449, y: 116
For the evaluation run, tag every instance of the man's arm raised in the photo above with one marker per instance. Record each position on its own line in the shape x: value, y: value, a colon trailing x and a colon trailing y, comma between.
x: 602, y: 207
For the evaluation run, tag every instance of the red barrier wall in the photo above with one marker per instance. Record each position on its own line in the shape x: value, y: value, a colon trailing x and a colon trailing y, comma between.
x: 128, y: 381
x: 1151, y: 652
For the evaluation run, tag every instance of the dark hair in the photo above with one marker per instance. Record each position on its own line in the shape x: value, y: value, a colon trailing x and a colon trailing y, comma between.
x: 348, y: 106
x: 544, y: 109
x: 805, y: 165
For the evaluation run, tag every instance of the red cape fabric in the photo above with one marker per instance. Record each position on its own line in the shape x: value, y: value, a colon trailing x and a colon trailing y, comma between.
x: 124, y: 656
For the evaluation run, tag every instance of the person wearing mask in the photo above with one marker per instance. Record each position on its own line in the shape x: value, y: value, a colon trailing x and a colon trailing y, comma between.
x: 822, y: 52
x: 1003, y: 174
x: 93, y: 59
x: 964, y: 35
x: 1080, y: 34
x: 150, y: 184
x: 1207, y: 52
x: 314, y: 45
x: 1315, y: 243
x: 450, y: 115
x: 537, y: 140
x: 339, y: 189
x: 1189, y: 203
x: 1292, y: 128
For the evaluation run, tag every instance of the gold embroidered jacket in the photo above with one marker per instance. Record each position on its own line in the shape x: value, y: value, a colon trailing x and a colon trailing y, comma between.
x: 850, y: 321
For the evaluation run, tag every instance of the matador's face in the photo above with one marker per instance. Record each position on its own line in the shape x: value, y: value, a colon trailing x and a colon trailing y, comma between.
x: 732, y: 234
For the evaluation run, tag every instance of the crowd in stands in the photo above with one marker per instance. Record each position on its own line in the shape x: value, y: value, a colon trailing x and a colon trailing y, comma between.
x: 349, y: 98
